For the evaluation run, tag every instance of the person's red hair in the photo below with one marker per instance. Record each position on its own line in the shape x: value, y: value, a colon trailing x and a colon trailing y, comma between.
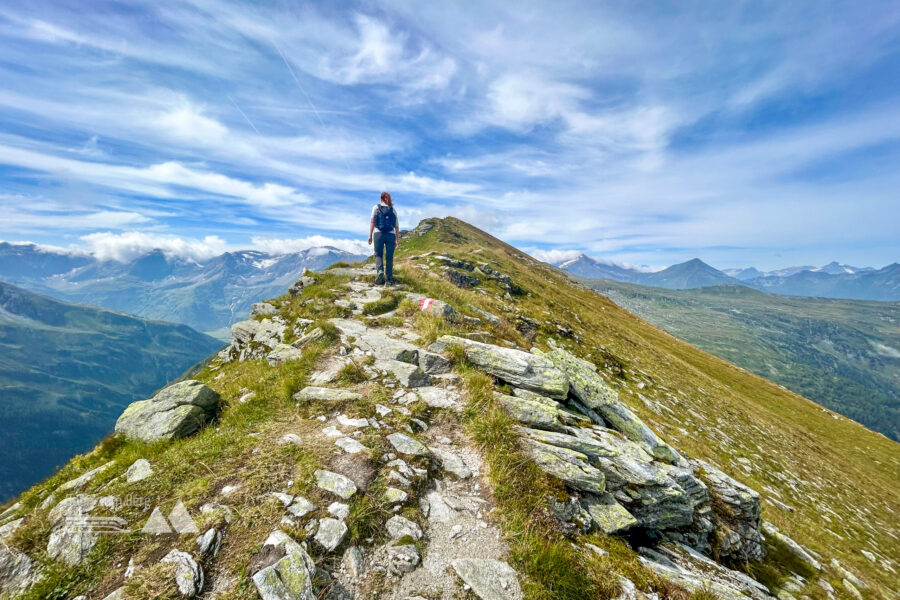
x: 386, y: 198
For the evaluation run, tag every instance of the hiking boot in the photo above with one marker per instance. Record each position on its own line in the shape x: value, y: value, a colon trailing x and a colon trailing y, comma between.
x: 390, y: 282
x: 379, y: 279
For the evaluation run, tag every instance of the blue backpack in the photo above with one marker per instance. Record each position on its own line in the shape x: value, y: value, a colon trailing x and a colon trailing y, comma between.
x: 385, y: 219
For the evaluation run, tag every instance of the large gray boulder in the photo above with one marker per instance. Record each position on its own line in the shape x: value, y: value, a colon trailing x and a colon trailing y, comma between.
x: 519, y: 368
x: 174, y: 412
x: 290, y: 576
x: 590, y: 388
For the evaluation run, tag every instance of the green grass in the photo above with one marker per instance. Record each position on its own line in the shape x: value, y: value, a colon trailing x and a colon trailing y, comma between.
x: 388, y: 302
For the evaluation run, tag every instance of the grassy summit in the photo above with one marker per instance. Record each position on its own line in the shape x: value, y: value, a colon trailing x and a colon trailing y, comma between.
x: 827, y: 482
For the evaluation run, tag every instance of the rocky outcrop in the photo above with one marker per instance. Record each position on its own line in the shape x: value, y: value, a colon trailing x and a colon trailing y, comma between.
x: 590, y: 388
x: 174, y: 412
x: 519, y: 368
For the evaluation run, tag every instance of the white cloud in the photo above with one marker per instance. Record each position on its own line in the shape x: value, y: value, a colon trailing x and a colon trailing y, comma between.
x: 554, y: 257
x: 382, y: 55
x: 188, y: 123
x: 288, y: 245
x: 132, y: 244
x: 160, y: 180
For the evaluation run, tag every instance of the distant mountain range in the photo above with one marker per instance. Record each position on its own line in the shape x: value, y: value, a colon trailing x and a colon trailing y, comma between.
x: 834, y: 280
x: 209, y: 295
x: 67, y: 371
x: 843, y: 354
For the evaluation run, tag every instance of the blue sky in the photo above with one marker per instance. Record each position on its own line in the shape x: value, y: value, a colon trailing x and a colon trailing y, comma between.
x: 763, y: 133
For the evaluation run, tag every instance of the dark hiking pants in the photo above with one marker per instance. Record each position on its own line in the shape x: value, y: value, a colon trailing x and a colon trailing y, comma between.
x: 384, y: 244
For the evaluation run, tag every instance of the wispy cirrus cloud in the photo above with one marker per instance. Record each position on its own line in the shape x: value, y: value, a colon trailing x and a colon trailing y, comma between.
x: 646, y: 134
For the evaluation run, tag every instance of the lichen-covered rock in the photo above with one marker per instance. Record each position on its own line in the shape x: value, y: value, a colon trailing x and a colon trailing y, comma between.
x: 607, y: 515
x: 303, y: 282
x: 289, y: 577
x: 308, y: 337
x: 71, y: 538
x: 324, y: 394
x: 188, y: 574
x: 174, y: 412
x: 538, y: 415
x: 434, y: 306
x: 519, y: 368
x: 262, y: 309
x: 404, y: 444
x: 568, y: 466
x: 335, y: 483
x: 590, y: 388
x: 489, y: 579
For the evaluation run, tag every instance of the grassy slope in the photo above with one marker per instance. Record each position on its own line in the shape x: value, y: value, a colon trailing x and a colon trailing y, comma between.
x: 719, y: 412
x: 841, y: 477
x: 836, y: 352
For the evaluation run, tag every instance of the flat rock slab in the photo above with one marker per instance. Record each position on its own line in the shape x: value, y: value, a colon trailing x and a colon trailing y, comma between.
x: 539, y: 415
x: 609, y: 516
x: 408, y: 375
x: 519, y: 368
x: 380, y: 345
x: 327, y: 394
x: 438, y: 397
x: 349, y: 445
x: 489, y: 579
x: 404, y: 444
x: 174, y: 412
x: 282, y: 353
x: 335, y: 483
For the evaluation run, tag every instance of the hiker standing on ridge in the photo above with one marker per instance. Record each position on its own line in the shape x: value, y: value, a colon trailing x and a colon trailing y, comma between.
x: 386, y: 226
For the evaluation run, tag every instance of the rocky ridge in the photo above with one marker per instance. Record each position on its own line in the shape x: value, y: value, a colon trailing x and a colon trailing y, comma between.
x: 688, y: 519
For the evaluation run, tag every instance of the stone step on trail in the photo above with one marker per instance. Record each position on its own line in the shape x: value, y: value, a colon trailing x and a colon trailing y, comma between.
x: 516, y: 367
